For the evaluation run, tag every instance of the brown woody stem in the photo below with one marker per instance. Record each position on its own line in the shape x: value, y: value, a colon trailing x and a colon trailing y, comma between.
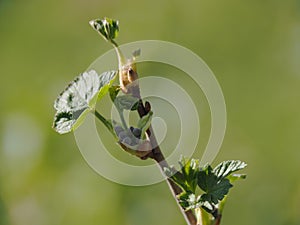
x: 159, y: 158
x: 218, y: 220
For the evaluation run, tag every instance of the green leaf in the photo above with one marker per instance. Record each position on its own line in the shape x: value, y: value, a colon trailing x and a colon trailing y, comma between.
x: 217, y: 192
x: 107, y: 28
x: 185, y: 199
x: 79, y: 98
x: 176, y: 176
x: 187, y: 178
x: 144, y: 123
x: 126, y: 102
x: 106, y: 81
x: 225, y: 168
x: 190, y: 171
x: 215, y: 189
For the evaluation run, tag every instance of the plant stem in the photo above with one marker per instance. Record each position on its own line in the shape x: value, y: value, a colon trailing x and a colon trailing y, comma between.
x: 158, y: 156
x: 156, y: 153
x: 123, y: 120
x: 198, y: 216
x: 120, y: 55
x: 103, y: 120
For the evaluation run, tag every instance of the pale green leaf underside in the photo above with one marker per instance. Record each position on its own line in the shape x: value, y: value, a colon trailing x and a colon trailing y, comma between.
x: 79, y: 98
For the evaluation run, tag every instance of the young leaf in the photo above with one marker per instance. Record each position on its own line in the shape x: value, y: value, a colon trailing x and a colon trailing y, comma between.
x: 106, y: 27
x: 214, y: 188
x: 144, y: 123
x: 228, y: 167
x: 190, y: 171
x: 106, y: 81
x: 187, y: 178
x: 176, y: 176
x: 109, y: 29
x: 79, y: 98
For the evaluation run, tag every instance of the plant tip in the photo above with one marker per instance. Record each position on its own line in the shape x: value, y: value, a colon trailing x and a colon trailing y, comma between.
x: 92, y: 22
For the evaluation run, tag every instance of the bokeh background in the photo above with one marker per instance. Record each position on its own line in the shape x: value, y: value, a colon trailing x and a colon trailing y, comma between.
x: 253, y: 47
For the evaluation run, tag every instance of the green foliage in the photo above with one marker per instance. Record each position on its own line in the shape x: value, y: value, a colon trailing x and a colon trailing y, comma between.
x: 106, y: 27
x: 187, y: 178
x: 189, y: 172
x: 215, y: 189
x: 106, y: 81
x: 79, y: 98
x: 213, y: 183
x: 144, y: 123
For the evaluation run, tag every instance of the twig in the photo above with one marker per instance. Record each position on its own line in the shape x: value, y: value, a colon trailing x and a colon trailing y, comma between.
x: 129, y: 85
x: 157, y: 155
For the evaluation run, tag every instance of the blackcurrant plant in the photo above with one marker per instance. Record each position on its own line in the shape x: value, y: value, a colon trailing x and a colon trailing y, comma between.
x: 201, y: 191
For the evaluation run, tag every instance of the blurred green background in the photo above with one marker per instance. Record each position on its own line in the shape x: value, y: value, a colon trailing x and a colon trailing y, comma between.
x: 253, y: 47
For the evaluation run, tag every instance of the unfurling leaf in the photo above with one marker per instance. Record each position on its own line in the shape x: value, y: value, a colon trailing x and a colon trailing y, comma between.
x: 176, y: 176
x: 79, y: 98
x: 144, y: 123
x: 187, y: 178
x: 106, y: 27
x: 190, y: 171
